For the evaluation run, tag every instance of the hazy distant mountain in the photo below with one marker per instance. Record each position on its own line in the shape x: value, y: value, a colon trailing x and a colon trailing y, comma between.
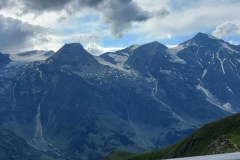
x: 35, y: 53
x: 30, y: 56
x: 139, y: 98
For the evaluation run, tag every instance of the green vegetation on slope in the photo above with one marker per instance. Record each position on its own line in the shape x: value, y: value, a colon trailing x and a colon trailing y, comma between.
x: 221, y: 136
x: 118, y: 155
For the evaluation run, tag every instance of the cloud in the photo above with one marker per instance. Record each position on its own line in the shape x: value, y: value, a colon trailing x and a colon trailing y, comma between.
x: 234, y: 43
x: 169, y: 36
x: 121, y: 18
x: 18, y: 36
x: 226, y: 29
x: 91, y: 3
x: 87, y: 38
x: 163, y: 12
x: 95, y: 49
x: 119, y: 15
x: 186, y: 19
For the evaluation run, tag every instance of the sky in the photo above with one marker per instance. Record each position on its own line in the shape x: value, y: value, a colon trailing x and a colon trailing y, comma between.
x: 108, y: 25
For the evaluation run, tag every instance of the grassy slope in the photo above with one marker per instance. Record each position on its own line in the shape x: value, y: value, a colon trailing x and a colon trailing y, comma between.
x: 118, y: 155
x: 217, y: 137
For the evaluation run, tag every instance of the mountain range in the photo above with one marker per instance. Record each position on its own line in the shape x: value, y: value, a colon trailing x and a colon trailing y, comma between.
x: 141, y: 98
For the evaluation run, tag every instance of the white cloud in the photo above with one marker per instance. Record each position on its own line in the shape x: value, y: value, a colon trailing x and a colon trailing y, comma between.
x: 169, y: 36
x: 89, y: 23
x: 226, y: 29
x: 95, y: 49
x: 197, y: 16
x: 234, y: 43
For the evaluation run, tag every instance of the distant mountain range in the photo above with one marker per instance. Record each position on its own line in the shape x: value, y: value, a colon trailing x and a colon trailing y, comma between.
x: 214, y: 138
x: 140, y: 98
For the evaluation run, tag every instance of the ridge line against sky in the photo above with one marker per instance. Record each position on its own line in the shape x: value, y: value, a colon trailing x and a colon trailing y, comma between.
x: 107, y: 25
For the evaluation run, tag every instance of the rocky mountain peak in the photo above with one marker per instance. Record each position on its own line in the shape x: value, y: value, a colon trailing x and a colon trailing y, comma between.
x: 73, y: 54
x: 154, y: 44
x: 203, y: 40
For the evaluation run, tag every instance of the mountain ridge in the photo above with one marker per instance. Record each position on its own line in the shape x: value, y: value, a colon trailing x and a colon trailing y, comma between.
x: 136, y: 99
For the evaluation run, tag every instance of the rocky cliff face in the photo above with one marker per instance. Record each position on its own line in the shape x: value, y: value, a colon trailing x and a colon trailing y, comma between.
x: 4, y: 59
x: 140, y: 98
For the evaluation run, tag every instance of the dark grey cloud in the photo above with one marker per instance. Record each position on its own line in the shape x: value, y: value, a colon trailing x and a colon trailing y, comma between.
x: 163, y: 12
x: 90, y: 3
x: 39, y: 6
x: 42, y: 5
x: 16, y: 35
x: 118, y: 14
x: 121, y: 14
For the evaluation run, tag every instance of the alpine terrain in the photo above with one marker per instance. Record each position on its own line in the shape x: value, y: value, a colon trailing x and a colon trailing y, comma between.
x: 214, y: 138
x: 141, y: 98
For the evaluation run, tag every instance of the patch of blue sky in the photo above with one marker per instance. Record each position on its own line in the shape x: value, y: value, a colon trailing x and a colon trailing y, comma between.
x: 176, y: 40
x: 233, y: 39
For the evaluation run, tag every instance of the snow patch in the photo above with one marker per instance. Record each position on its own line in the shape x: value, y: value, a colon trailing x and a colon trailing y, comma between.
x: 229, y: 89
x: 197, y: 50
x: 118, y: 58
x: 193, y: 43
x: 168, y: 72
x: 204, y: 73
x: 30, y: 57
x: 212, y: 37
x: 173, y: 53
x: 133, y: 47
x: 40, y: 73
x: 232, y: 63
x: 235, y: 67
x: 221, y: 61
x: 211, y: 99
x: 103, y: 62
x: 200, y: 63
x: 227, y: 106
x: 228, y: 47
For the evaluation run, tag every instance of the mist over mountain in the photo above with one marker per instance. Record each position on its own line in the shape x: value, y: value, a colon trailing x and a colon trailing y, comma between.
x: 140, y: 98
